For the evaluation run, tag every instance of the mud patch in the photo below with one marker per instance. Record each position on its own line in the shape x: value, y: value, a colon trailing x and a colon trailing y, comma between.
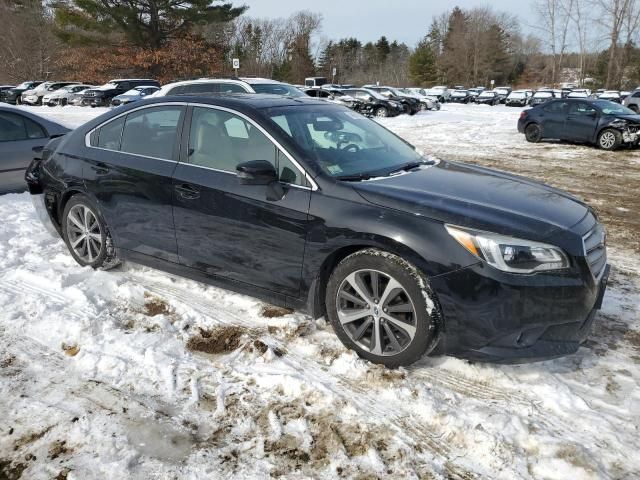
x: 218, y: 340
x: 58, y: 448
x: 155, y: 306
x: 10, y: 470
x: 575, y: 457
x: 7, y: 361
x: 30, y: 438
x: 633, y: 337
x: 271, y: 311
x: 70, y: 349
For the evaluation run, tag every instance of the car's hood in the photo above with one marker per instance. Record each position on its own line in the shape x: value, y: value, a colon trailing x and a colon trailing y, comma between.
x: 477, y: 197
x: 128, y: 97
x: 628, y: 118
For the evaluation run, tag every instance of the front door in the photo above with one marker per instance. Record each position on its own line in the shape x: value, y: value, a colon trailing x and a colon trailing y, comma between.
x: 581, y: 123
x: 555, y: 115
x: 129, y: 167
x: 233, y: 230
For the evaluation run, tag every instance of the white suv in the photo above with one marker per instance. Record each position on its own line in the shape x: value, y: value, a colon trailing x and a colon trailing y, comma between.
x: 224, y: 85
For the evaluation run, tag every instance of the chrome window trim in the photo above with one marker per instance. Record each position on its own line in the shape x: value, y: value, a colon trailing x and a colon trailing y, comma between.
x: 314, y: 185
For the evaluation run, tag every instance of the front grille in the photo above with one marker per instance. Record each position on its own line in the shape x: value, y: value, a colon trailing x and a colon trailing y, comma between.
x: 90, y: 94
x: 595, y: 249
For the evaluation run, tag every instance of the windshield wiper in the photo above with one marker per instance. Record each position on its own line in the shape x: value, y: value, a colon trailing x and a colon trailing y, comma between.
x: 354, y: 178
x: 410, y: 166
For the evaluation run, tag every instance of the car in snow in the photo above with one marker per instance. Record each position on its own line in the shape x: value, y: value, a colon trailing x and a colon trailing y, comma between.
x: 410, y: 102
x: 579, y: 93
x: 377, y: 104
x: 503, y: 93
x: 428, y: 102
x: 598, y: 122
x: 133, y: 95
x: 461, y: 96
x: 13, y: 96
x: 541, y: 96
x: 207, y: 86
x: 518, y: 98
x: 632, y: 101
x: 611, y: 95
x: 102, y: 96
x: 22, y: 135
x: 3, y: 92
x: 312, y: 206
x: 488, y: 97
x: 35, y: 96
x: 62, y: 95
x: 442, y: 93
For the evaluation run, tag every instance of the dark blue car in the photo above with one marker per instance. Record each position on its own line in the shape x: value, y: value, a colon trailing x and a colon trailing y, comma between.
x: 598, y: 122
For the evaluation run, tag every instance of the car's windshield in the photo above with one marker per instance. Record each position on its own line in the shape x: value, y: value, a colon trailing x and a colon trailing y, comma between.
x: 502, y: 91
x: 487, y: 94
x: 344, y: 143
x: 517, y: 95
x: 610, y: 95
x: 459, y: 93
x: 612, y: 108
x: 375, y: 94
x: 24, y: 85
x: 277, y: 89
x: 542, y: 94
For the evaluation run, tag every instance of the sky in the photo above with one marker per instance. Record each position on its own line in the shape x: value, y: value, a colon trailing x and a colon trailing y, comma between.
x: 403, y: 20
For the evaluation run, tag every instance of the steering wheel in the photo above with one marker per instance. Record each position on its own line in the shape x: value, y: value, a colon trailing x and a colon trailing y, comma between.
x: 351, y: 147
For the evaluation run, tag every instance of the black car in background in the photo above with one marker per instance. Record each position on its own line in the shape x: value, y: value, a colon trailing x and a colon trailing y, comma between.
x: 102, y: 96
x: 379, y: 105
x: 461, y: 96
x: 13, y: 96
x: 22, y: 137
x: 487, y: 98
x: 518, y: 98
x: 411, y: 104
x: 541, y: 96
x: 3, y: 92
x: 312, y: 206
x: 598, y: 122
x: 503, y: 93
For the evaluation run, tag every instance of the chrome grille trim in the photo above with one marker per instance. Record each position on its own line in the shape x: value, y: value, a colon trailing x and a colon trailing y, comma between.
x: 595, y: 250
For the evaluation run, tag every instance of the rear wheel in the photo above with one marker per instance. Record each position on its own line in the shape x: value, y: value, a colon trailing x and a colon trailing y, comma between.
x: 533, y: 133
x: 609, y: 139
x: 382, y: 112
x: 382, y: 307
x: 86, y: 234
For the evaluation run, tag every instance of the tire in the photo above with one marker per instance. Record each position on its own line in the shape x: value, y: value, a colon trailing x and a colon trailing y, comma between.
x: 609, y: 139
x: 533, y: 133
x: 381, y: 112
x: 82, y: 217
x: 18, y: 101
x: 634, y: 108
x: 406, y: 322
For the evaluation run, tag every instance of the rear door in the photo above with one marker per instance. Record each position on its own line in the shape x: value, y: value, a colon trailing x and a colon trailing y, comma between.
x: 232, y: 230
x: 554, y: 117
x: 129, y: 169
x: 18, y: 136
x: 581, y: 123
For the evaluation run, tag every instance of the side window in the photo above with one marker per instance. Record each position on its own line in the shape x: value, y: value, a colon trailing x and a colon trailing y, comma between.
x: 14, y: 127
x: 556, y: 107
x: 152, y: 132
x: 176, y: 90
x: 197, y: 88
x: 282, y: 122
x: 636, y: 95
x: 125, y: 86
x: 109, y: 135
x: 231, y: 88
x: 222, y: 140
x: 581, y: 108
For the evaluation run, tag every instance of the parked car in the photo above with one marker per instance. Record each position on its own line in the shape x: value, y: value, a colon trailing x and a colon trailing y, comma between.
x: 503, y: 93
x: 578, y: 94
x: 338, y: 217
x: 430, y: 102
x: 611, y: 95
x: 632, y: 101
x: 102, y: 96
x: 379, y: 105
x: 22, y: 136
x: 340, y: 98
x: 229, y: 85
x: 488, y: 97
x: 474, y: 92
x: 133, y: 95
x: 14, y: 95
x: 62, y: 96
x: 540, y: 97
x: 443, y: 94
x: 3, y: 92
x: 315, y: 81
x: 35, y: 96
x: 518, y: 98
x: 411, y: 104
x: 598, y: 122
x: 461, y: 96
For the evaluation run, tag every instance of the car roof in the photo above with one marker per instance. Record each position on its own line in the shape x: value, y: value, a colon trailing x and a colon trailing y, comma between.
x: 251, y: 80
x: 255, y: 101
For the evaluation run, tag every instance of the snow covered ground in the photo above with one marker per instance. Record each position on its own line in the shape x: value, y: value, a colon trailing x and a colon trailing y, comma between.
x: 134, y: 373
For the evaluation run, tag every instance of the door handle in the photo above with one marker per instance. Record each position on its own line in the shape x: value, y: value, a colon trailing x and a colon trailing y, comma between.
x: 187, y: 191
x: 100, y: 169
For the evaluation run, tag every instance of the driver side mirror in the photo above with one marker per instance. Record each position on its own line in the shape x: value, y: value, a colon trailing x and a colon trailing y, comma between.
x: 261, y: 172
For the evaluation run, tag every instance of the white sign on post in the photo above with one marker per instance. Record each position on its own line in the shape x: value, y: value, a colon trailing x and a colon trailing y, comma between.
x: 493, y: 82
x: 236, y: 63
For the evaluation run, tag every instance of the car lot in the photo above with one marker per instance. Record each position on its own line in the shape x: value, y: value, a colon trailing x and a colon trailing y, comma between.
x: 281, y: 393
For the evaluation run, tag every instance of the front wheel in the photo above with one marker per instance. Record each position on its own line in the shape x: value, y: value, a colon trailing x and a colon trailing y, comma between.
x: 609, y: 139
x: 381, y: 306
x: 86, y: 234
x: 533, y: 133
x: 382, y: 112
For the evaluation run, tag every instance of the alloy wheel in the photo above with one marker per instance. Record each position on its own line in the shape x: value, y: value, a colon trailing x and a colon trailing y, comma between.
x: 381, y: 112
x: 607, y: 140
x: 376, y: 312
x: 84, y: 233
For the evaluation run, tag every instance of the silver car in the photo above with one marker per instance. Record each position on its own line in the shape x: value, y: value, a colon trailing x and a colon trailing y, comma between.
x: 63, y: 95
x: 22, y: 137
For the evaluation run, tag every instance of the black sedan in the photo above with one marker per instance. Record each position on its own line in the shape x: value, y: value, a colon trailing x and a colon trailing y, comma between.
x: 313, y: 206
x: 598, y: 122
x: 487, y: 98
x: 22, y: 136
x: 461, y: 96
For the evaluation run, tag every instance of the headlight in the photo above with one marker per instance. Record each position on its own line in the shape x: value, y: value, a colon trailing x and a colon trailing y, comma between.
x: 510, y: 254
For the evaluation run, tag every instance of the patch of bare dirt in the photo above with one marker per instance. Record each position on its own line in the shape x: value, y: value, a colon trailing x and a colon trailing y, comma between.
x: 217, y: 340
x: 575, y: 457
x: 71, y: 350
x: 633, y: 338
x: 29, y: 438
x: 58, y: 448
x: 10, y: 470
x: 271, y: 311
x: 154, y: 305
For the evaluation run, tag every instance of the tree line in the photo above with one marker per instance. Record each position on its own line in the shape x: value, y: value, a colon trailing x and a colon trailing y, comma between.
x: 93, y: 40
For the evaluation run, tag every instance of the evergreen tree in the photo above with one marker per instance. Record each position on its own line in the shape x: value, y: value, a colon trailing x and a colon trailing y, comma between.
x: 422, y: 64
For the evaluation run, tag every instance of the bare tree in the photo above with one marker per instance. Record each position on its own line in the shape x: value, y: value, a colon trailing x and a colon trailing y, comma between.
x: 554, y: 20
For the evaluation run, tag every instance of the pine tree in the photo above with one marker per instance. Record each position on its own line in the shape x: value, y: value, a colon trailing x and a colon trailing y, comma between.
x: 422, y: 64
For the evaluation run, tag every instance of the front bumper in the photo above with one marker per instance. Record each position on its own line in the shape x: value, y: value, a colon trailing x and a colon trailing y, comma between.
x: 95, y: 102
x: 495, y: 316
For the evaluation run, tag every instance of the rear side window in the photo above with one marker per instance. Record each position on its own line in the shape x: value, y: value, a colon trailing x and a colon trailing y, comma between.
x: 109, y: 135
x: 15, y: 127
x: 152, y: 132
x: 197, y: 88
x: 556, y: 107
x: 231, y: 88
